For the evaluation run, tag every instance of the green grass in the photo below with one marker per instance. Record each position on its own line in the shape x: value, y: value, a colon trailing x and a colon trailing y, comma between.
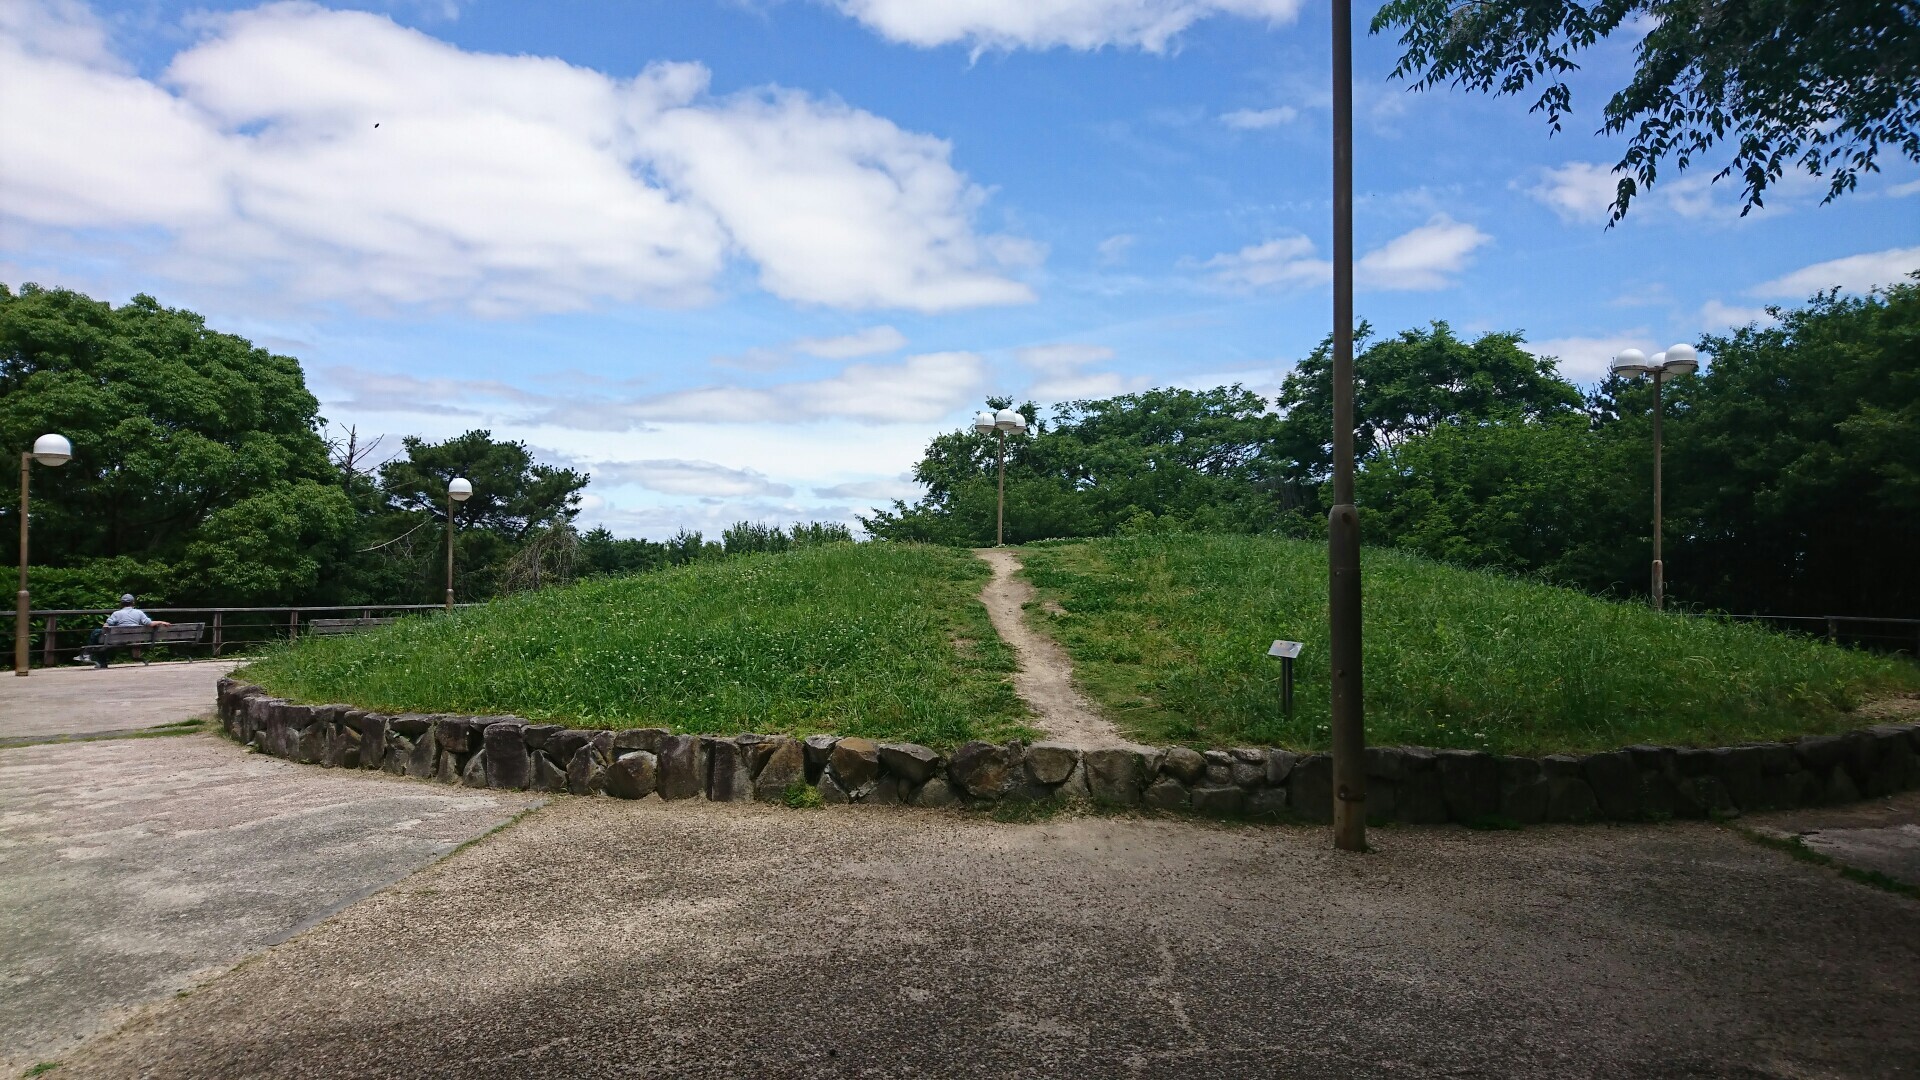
x: 881, y: 640
x: 1169, y: 636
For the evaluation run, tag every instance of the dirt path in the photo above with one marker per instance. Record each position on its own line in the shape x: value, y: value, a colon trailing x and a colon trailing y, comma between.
x: 1045, y: 680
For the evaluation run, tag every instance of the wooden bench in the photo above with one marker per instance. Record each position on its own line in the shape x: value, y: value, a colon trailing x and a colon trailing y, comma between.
x: 343, y: 626
x: 183, y: 633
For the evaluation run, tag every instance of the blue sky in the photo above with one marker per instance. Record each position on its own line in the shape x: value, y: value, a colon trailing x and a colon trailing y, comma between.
x: 742, y: 259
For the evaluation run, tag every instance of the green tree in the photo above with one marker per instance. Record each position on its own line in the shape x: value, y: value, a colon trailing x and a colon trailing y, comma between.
x: 514, y: 500
x: 1794, y: 471
x: 1531, y: 496
x: 1407, y: 385
x: 198, y: 472
x: 1166, y: 458
x: 1775, y: 84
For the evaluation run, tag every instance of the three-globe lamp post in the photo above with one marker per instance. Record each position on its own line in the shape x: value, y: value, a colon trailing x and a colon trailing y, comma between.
x: 458, y: 491
x: 1633, y: 364
x: 1004, y: 422
x: 49, y: 450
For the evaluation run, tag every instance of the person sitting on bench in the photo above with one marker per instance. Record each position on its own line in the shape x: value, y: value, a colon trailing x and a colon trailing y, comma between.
x: 128, y: 615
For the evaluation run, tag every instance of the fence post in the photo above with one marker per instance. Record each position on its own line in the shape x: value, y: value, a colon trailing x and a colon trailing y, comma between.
x: 216, y: 633
x: 46, y: 647
x: 1833, y: 630
x: 293, y: 624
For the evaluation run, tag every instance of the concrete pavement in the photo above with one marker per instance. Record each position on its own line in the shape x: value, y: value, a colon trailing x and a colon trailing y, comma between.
x: 601, y: 938
x: 55, y: 702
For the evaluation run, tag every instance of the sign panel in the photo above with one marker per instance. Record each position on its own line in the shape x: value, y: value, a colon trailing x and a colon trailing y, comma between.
x: 1285, y: 649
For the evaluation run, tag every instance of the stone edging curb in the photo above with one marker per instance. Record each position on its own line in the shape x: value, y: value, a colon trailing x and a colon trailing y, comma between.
x: 1406, y: 784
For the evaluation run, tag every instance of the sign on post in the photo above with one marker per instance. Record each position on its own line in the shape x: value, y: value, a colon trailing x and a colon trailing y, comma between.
x: 1286, y: 651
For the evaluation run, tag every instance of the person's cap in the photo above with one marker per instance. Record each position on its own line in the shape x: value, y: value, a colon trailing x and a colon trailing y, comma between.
x: 126, y: 598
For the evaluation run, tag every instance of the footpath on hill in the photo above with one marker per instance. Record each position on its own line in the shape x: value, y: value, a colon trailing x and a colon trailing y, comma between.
x: 1045, y: 679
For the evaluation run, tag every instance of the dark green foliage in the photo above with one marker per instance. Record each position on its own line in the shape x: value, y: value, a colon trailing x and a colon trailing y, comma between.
x: 881, y: 640
x: 515, y: 502
x: 1170, y: 635
x: 198, y: 473
x: 1551, y: 497
x: 1198, y: 459
x: 601, y: 552
x: 1795, y: 464
x: 1778, y: 84
x: 1410, y: 384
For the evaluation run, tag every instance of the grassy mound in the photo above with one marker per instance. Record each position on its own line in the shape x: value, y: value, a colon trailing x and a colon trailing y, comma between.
x: 881, y: 640
x: 1169, y: 635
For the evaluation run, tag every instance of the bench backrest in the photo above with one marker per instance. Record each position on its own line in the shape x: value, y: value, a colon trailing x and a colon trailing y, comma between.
x: 342, y: 626
x: 176, y: 634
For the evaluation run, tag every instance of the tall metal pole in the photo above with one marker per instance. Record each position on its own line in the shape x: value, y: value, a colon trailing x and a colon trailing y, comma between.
x: 1343, y: 521
x: 1000, y: 519
x: 1659, y: 571
x: 450, y: 551
x: 20, y: 598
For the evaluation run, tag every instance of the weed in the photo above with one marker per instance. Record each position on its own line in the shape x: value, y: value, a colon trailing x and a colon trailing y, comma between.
x: 1017, y: 810
x: 1170, y: 633
x: 802, y: 796
x: 854, y: 639
x: 1796, y: 846
x: 41, y: 1069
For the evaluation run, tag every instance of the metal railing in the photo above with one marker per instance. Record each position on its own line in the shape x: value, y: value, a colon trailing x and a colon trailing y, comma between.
x: 1860, y: 631
x: 230, y: 630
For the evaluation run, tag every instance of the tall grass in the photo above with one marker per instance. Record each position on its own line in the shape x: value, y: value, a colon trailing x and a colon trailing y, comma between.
x: 881, y: 640
x: 1169, y: 634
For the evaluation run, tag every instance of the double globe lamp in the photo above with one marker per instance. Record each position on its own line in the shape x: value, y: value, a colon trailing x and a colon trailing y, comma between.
x: 1633, y: 364
x: 1005, y: 422
x: 51, y: 451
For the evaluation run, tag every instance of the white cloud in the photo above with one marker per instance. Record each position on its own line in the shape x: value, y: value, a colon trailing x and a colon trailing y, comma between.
x: 868, y: 342
x: 1579, y: 192
x: 898, y: 487
x: 673, y: 476
x: 919, y: 389
x: 500, y: 184
x: 1062, y: 375
x: 1113, y: 250
x: 1901, y: 191
x: 1855, y: 273
x: 1284, y: 262
x: 1421, y: 259
x: 1045, y: 24
x: 1257, y: 119
x: 1715, y: 315
x: 916, y: 390
x: 1584, y: 359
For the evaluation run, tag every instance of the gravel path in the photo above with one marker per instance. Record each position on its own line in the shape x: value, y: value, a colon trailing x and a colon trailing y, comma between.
x: 1045, y: 679
x: 598, y: 939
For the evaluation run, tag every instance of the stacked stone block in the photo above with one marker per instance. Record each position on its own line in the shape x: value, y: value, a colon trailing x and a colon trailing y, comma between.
x: 1408, y: 784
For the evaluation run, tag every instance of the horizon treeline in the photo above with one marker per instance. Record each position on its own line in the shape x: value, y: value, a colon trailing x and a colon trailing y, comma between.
x: 1792, y: 463
x: 203, y: 474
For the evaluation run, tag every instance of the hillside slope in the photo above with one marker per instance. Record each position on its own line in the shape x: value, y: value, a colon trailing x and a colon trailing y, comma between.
x: 884, y: 640
x: 1169, y: 635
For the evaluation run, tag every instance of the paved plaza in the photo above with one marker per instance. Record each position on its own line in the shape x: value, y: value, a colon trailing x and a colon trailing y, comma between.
x: 319, y: 927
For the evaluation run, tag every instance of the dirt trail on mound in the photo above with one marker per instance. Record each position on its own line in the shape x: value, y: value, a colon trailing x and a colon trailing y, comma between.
x: 1045, y: 679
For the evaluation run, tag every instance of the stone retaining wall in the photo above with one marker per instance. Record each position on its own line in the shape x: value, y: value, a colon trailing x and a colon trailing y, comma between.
x: 1409, y: 784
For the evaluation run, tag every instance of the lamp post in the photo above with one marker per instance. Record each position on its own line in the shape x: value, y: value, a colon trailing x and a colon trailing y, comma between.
x: 1004, y: 422
x: 49, y: 450
x: 1348, y: 719
x: 458, y: 491
x: 1632, y: 364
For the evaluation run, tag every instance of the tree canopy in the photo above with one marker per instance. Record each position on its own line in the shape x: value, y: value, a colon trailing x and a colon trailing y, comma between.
x: 197, y: 469
x: 1768, y: 84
